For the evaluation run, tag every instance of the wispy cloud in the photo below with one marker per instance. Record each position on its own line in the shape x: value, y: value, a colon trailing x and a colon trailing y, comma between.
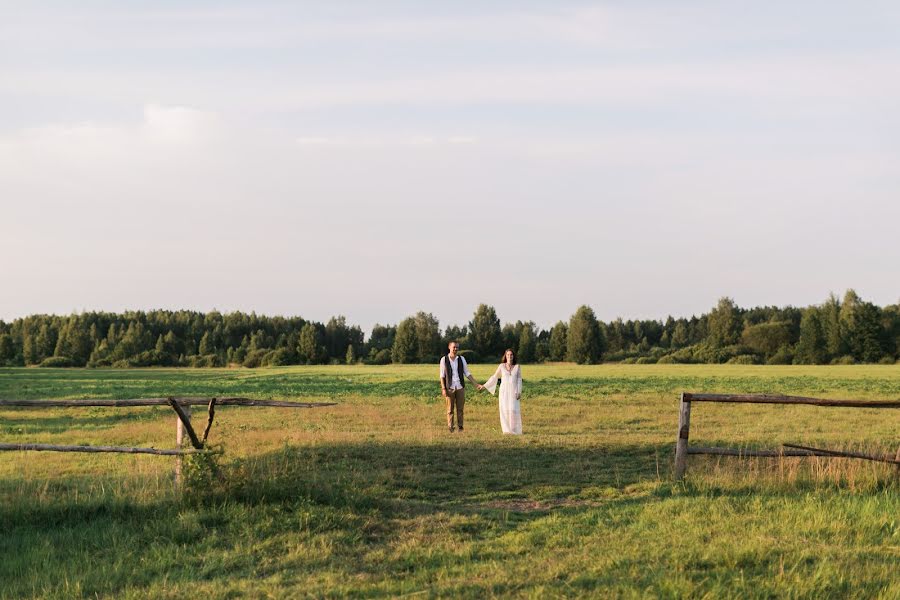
x: 385, y: 141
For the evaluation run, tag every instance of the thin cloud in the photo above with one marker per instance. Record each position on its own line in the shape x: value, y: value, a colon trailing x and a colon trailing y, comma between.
x: 380, y: 142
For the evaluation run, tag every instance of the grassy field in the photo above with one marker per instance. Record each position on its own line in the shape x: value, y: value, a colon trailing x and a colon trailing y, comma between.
x: 373, y: 498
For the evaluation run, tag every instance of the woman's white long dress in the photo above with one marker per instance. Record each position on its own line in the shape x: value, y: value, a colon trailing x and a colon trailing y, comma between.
x: 510, y: 389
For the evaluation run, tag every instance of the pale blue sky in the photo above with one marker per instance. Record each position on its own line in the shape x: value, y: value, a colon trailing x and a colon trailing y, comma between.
x: 327, y: 158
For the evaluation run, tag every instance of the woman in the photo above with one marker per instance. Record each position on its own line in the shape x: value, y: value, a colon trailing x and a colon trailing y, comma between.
x: 510, y: 376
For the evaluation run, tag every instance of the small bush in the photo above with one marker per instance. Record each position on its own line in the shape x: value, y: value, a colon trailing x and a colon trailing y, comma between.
x: 278, y: 358
x: 204, y: 361
x: 784, y: 356
x: 887, y: 360
x: 255, y: 358
x: 666, y: 360
x: 57, y: 361
x: 684, y: 356
x: 382, y: 357
x: 844, y: 360
x: 646, y: 360
x: 743, y: 359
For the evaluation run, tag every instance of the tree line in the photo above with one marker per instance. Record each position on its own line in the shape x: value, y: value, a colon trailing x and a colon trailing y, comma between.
x: 838, y: 331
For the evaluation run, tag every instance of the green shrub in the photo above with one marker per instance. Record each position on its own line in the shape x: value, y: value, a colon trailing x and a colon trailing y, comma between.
x: 667, y: 360
x: 684, y: 356
x: 717, y: 355
x: 57, y: 361
x: 278, y: 358
x: 844, y: 360
x: 205, y: 361
x: 784, y: 356
x: 255, y: 358
x: 382, y: 357
x: 887, y: 360
x: 743, y: 359
x: 646, y: 360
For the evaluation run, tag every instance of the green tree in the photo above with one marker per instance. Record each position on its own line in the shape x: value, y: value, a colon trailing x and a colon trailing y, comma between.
x: 510, y: 336
x: 7, y: 349
x: 206, y: 345
x: 172, y: 343
x: 558, y: 339
x: 485, y: 335
x: 527, y: 341
x: 61, y: 348
x: 835, y: 346
x: 585, y: 342
x: 112, y: 336
x: 350, y: 357
x: 135, y: 340
x: 260, y: 341
x: 74, y: 342
x: 45, y: 341
x: 382, y: 337
x: 680, y: 337
x: 811, y: 349
x: 29, y: 349
x: 864, y: 333
x: 767, y: 338
x: 454, y: 332
x: 338, y: 334
x: 616, y: 336
x: 542, y: 346
x: 309, y: 348
x: 428, y: 338
x: 404, y: 348
x: 724, y: 324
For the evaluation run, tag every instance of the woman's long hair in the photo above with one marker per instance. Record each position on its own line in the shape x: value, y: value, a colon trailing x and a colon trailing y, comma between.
x: 514, y: 361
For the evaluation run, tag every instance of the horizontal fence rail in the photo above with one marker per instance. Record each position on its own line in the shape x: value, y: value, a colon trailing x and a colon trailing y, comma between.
x: 163, y: 402
x: 183, y: 427
x: 682, y: 449
x: 117, y: 449
x: 772, y: 399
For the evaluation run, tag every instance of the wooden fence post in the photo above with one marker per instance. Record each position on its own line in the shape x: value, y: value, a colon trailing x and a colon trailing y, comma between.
x: 681, y: 444
x: 179, y: 443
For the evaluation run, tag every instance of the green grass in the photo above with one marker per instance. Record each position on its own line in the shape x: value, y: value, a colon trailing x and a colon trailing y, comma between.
x: 373, y: 498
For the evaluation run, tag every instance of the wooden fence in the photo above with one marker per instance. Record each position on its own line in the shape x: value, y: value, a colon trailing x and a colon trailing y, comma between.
x: 183, y: 427
x: 682, y: 449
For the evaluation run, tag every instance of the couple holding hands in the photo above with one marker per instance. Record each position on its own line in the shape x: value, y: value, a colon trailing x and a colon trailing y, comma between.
x: 454, y: 371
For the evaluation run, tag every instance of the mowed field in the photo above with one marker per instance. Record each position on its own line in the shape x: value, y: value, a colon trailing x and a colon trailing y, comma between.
x: 374, y: 498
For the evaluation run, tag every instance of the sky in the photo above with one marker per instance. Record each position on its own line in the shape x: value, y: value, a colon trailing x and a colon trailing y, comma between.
x: 374, y: 158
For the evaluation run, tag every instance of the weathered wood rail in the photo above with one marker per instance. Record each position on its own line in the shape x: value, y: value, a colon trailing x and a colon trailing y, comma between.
x: 188, y: 401
x: 683, y: 450
x: 183, y: 426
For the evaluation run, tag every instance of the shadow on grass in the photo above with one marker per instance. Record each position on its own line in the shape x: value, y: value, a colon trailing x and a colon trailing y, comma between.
x: 367, y: 501
x: 357, y: 496
x: 381, y: 474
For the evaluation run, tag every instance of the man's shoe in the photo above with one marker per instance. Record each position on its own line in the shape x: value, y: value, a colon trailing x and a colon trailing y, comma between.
x: 451, y: 429
x: 460, y: 429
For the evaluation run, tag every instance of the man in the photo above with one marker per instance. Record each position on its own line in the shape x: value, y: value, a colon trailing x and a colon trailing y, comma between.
x: 453, y: 386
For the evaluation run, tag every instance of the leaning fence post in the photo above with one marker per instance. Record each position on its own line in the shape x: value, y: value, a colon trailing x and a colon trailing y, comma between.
x: 681, y: 444
x: 179, y: 443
